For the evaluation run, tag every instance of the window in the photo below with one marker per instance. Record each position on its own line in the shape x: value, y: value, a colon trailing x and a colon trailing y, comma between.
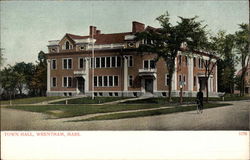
x: 186, y: 60
x: 194, y: 80
x: 100, y: 81
x: 67, y: 63
x: 67, y: 45
x: 146, y: 64
x: 105, y: 79
x: 108, y: 62
x: 152, y: 64
x: 179, y: 78
x: 81, y: 63
x: 130, y: 81
x: 97, y: 62
x: 110, y: 81
x: 82, y: 47
x: 53, y: 82
x: 167, y: 80
x: 118, y: 61
x: 53, y: 64
x: 199, y: 63
x: 184, y: 78
x: 113, y: 61
x: 115, y: 80
x: 194, y: 59
x: 103, y: 62
x: 67, y: 81
x: 202, y: 63
x: 95, y: 81
x: 130, y: 61
x: 179, y: 59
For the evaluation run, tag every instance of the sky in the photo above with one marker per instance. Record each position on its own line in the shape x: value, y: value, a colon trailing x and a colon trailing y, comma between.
x: 27, y: 26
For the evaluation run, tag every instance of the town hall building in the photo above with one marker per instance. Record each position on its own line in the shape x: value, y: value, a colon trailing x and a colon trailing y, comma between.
x: 109, y: 65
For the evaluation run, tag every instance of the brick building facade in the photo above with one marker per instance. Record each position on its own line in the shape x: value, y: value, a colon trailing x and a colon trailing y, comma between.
x: 118, y: 69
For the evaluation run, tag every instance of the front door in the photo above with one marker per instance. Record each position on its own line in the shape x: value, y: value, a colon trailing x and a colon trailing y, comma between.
x: 202, y: 82
x: 80, y: 83
x: 149, y: 85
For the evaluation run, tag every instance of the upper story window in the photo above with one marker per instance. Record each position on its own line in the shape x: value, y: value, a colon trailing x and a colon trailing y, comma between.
x: 186, y: 60
x: 53, y: 64
x: 67, y: 46
x: 179, y: 59
x: 149, y: 64
x: 67, y: 63
x: 194, y: 61
x: 107, y: 62
x: 130, y: 61
x: 81, y: 63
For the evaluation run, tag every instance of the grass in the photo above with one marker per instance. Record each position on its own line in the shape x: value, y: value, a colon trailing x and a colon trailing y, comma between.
x: 189, y: 100
x: 31, y: 100
x: 58, y: 111
x: 149, y: 113
x: 89, y: 100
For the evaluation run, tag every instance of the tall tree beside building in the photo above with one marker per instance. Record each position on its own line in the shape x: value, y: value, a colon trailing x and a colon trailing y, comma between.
x: 223, y: 45
x: 166, y: 41
x: 39, y: 80
x: 242, y: 47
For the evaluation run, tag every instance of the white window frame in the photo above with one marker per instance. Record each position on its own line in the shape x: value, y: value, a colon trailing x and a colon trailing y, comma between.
x: 67, y: 65
x: 166, y: 79
x: 130, y: 78
x: 51, y: 85
x: 79, y: 60
x: 129, y: 58
x: 67, y: 84
x: 52, y: 64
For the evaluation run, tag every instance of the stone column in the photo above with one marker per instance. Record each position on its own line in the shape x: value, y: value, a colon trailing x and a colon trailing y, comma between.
x: 190, y: 74
x: 215, y: 78
x: 125, y: 76
x: 208, y: 86
x: 86, y: 77
x: 48, y: 75
x: 174, y: 78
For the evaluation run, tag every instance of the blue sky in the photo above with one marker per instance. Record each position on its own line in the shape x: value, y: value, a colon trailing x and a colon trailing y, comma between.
x: 26, y: 27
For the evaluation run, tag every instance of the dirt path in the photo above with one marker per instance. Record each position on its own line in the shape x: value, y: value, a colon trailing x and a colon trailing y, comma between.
x: 234, y: 117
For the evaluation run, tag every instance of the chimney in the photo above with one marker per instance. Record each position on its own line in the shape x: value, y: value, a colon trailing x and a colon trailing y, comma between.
x: 98, y: 32
x: 92, y: 30
x: 137, y: 27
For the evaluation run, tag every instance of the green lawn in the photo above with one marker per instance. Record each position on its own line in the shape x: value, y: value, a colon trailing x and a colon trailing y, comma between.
x: 63, y: 111
x: 31, y: 100
x: 89, y: 100
x: 149, y: 113
x: 164, y: 100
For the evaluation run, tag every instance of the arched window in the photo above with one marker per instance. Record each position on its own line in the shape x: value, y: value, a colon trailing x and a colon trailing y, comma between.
x: 67, y: 45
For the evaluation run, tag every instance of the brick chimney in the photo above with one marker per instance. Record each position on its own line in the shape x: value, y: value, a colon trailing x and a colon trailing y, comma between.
x: 92, y: 30
x: 137, y: 27
x: 98, y: 32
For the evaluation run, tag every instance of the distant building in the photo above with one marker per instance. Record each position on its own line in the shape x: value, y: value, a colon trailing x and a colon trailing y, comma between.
x: 119, y: 70
x: 247, y: 79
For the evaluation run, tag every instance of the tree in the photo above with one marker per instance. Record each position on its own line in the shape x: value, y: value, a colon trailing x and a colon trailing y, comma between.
x: 222, y: 46
x: 39, y: 80
x: 242, y: 47
x: 24, y: 71
x: 166, y: 41
x: 8, y: 81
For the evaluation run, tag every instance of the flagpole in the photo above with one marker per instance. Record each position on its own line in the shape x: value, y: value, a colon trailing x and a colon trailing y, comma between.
x: 93, y: 63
